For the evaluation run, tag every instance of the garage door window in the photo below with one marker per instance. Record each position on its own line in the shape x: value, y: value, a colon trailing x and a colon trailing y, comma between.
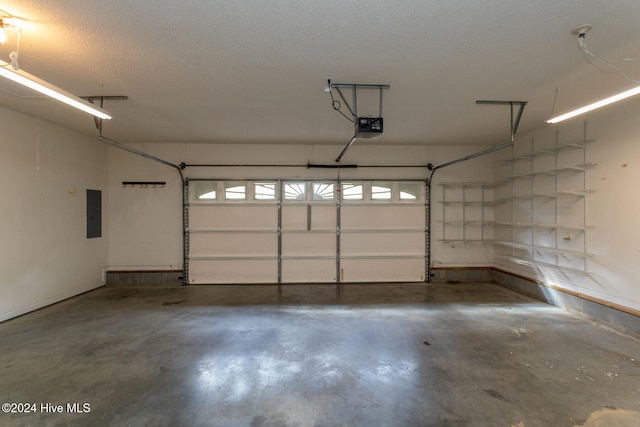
x: 205, y: 191
x: 295, y: 191
x: 235, y: 191
x: 264, y: 190
x: 324, y: 191
x: 410, y: 191
x: 352, y: 191
x: 381, y: 190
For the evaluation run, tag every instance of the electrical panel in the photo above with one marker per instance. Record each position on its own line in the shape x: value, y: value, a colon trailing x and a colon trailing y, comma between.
x: 369, y: 127
x: 94, y: 214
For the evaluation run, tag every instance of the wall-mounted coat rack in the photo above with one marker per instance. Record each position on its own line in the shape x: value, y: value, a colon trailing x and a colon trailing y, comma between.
x: 143, y: 184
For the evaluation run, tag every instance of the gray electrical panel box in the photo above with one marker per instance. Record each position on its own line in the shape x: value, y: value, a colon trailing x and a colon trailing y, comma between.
x: 94, y: 213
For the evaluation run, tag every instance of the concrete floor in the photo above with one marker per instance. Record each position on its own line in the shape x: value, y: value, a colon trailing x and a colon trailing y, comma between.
x: 317, y: 355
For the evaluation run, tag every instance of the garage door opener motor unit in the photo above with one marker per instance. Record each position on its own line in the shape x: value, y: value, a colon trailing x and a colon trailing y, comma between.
x: 369, y: 127
x: 365, y: 126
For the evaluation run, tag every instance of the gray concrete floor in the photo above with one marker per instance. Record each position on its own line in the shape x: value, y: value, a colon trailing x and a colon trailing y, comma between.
x: 317, y: 355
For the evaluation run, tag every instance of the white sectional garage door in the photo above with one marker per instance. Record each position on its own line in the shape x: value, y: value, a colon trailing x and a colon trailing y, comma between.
x: 305, y: 231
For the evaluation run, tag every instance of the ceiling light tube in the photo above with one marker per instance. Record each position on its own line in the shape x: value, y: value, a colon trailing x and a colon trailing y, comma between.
x: 598, y: 104
x: 39, y: 85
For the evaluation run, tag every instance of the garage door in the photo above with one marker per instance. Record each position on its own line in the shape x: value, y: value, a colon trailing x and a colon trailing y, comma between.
x: 304, y: 231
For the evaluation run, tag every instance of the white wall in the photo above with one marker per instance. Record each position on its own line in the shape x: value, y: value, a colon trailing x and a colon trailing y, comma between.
x: 145, y: 224
x: 44, y: 253
x: 614, y: 271
x: 478, y: 170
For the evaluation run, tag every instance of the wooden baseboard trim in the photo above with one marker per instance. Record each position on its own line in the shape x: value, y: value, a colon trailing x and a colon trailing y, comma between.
x: 573, y: 293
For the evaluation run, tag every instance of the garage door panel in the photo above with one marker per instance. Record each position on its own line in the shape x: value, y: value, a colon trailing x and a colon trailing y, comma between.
x: 382, y: 243
x: 297, y: 217
x: 382, y: 270
x: 233, y: 271
x: 323, y: 217
x: 233, y: 244
x: 308, y: 270
x: 308, y: 244
x: 375, y: 216
x: 294, y: 217
x: 236, y: 217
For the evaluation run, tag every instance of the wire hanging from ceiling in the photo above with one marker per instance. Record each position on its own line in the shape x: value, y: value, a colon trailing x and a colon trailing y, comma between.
x: 607, y: 63
x: 337, y: 105
x: 15, y: 55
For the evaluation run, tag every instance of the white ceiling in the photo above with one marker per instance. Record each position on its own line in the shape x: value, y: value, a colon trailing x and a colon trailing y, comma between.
x: 253, y: 71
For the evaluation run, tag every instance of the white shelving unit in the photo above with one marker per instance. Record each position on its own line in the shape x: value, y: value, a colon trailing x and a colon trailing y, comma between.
x: 546, y: 195
x: 465, y: 212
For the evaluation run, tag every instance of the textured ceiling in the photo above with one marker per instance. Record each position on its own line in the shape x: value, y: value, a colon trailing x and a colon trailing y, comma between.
x: 253, y: 71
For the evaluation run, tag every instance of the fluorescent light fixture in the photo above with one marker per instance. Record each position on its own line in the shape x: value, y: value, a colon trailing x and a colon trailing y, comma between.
x: 590, y: 107
x: 39, y: 85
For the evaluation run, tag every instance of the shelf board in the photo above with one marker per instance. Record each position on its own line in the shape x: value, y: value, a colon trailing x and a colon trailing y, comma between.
x: 568, y: 193
x: 577, y: 167
x: 551, y: 150
x: 528, y: 175
x: 551, y: 194
x: 556, y: 251
x: 579, y: 143
x: 466, y: 184
x: 531, y: 263
x: 531, y: 155
x: 580, y: 167
x: 545, y: 225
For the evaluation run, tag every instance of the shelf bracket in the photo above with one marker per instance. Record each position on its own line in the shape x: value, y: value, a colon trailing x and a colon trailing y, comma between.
x: 102, y: 98
x: 514, y: 121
